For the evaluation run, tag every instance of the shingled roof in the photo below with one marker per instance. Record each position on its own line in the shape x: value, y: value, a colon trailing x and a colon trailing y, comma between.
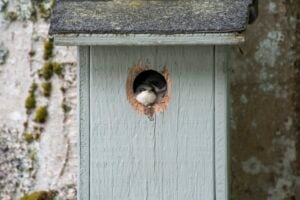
x: 149, y: 17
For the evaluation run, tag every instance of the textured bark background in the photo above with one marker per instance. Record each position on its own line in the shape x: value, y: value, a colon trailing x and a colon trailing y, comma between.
x: 42, y: 156
x: 265, y: 106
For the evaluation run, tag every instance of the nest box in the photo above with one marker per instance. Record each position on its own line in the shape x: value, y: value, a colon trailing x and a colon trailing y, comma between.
x: 152, y: 94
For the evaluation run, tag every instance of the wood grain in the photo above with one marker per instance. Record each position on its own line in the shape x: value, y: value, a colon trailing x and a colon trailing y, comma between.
x: 221, y: 123
x: 171, y: 157
x: 149, y: 39
x: 84, y: 122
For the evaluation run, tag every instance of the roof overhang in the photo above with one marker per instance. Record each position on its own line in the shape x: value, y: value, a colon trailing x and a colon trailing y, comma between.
x: 157, y: 22
x: 148, y: 39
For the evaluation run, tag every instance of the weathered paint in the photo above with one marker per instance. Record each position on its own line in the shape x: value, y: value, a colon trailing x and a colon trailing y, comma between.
x: 222, y: 135
x: 182, y: 153
x: 149, y: 39
x: 84, y: 122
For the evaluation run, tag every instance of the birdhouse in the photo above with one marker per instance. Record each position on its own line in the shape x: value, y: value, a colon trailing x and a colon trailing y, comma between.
x: 153, y: 94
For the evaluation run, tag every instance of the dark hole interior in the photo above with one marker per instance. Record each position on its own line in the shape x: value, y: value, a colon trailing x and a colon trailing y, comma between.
x: 150, y: 79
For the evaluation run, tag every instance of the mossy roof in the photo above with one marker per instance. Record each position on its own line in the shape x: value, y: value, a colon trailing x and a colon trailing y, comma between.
x: 154, y: 17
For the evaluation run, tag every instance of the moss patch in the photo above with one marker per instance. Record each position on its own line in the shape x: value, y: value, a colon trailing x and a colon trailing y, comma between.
x: 41, y: 195
x: 47, y: 71
x: 43, y: 8
x: 33, y: 88
x: 41, y: 114
x: 33, y: 15
x: 32, y: 155
x: 30, y: 103
x: 57, y: 68
x: 30, y: 137
x: 11, y: 16
x: 44, y: 12
x: 48, y: 49
x: 47, y: 88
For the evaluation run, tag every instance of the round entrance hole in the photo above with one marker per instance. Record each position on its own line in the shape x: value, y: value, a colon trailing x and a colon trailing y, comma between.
x: 148, y: 91
x: 149, y: 87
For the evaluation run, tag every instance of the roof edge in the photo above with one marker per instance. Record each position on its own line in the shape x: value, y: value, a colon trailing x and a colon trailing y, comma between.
x: 148, y: 39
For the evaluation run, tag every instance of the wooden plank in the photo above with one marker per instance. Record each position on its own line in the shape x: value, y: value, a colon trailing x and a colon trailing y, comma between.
x: 120, y: 138
x: 168, y: 158
x: 221, y: 123
x: 148, y: 39
x: 185, y: 131
x: 84, y: 122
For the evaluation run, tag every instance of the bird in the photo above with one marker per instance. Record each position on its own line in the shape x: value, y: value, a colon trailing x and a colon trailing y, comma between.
x: 150, y: 87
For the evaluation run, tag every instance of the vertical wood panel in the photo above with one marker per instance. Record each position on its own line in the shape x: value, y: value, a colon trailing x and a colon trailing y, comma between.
x: 84, y: 122
x: 221, y: 123
x: 120, y: 138
x: 185, y: 131
x: 169, y: 158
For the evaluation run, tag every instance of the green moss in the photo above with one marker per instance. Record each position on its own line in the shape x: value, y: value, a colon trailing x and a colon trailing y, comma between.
x: 33, y: 88
x: 33, y: 14
x: 30, y: 103
x: 47, y: 88
x: 57, y: 68
x: 32, y: 155
x: 49, y: 68
x: 11, y: 16
x: 41, y: 8
x: 48, y: 49
x: 30, y: 137
x: 47, y: 71
x: 44, y: 12
x: 41, y: 114
x: 66, y: 108
x: 40, y: 195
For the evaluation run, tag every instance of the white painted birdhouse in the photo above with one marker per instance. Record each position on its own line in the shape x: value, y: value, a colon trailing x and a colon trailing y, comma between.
x: 152, y: 94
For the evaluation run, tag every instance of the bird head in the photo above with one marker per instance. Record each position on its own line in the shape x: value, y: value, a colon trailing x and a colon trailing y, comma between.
x: 142, y: 88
